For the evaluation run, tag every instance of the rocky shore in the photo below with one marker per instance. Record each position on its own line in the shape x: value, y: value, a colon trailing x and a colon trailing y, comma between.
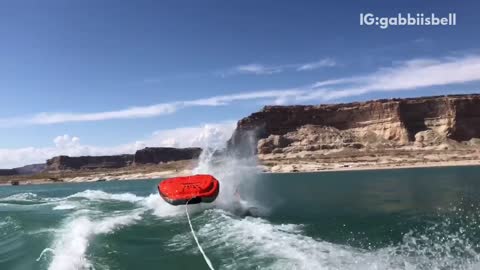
x: 367, y: 160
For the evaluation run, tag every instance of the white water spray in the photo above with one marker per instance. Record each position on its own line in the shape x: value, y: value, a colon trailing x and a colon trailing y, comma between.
x: 235, y: 174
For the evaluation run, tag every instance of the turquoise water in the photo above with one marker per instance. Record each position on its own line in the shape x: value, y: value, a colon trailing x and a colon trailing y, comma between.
x: 392, y: 219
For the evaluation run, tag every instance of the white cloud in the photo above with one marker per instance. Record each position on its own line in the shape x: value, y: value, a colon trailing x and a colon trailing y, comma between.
x: 208, y: 135
x: 135, y: 112
x: 402, y: 76
x: 257, y: 69
x: 409, y: 75
x: 227, y: 99
x: 211, y: 135
x: 144, y: 112
x: 334, y: 82
x: 319, y: 64
x: 65, y: 141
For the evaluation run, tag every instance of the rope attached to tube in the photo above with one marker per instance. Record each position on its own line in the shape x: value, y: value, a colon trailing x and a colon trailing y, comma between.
x: 207, y: 260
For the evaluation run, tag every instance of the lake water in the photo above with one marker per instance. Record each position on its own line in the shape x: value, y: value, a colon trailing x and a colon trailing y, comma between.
x: 390, y: 219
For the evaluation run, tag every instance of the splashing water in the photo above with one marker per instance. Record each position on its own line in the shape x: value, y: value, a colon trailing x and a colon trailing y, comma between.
x: 72, y: 241
x: 237, y: 175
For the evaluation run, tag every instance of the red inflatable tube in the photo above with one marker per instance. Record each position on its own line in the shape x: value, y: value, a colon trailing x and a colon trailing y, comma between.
x: 192, y: 189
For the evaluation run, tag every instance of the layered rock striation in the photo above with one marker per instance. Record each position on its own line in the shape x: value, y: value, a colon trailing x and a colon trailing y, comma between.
x: 25, y: 170
x: 8, y: 172
x: 149, y: 155
x: 378, y: 123
x: 155, y: 155
x: 63, y: 163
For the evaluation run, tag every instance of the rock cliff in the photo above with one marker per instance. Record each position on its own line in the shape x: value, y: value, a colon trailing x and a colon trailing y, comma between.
x: 31, y: 169
x: 25, y: 170
x: 62, y: 163
x: 8, y: 172
x: 378, y: 123
x: 149, y: 155
x: 155, y: 155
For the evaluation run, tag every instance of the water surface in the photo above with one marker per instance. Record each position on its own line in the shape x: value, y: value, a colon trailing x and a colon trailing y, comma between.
x: 389, y: 219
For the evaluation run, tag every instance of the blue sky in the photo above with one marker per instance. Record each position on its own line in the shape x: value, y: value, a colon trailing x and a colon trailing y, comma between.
x: 77, y: 68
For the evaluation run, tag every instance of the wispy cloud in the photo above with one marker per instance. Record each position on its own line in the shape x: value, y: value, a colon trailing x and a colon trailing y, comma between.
x: 227, y: 99
x: 315, y: 65
x: 145, y: 111
x: 408, y: 75
x: 211, y: 135
x: 257, y: 69
x: 134, y: 112
x: 260, y: 69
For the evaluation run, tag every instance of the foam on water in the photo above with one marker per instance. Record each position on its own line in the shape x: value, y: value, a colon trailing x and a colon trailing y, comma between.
x: 255, y: 241
x: 98, y: 195
x: 159, y: 207
x: 71, y: 243
x: 94, y: 195
x: 152, y: 202
x: 23, y: 199
x: 27, y: 196
x: 65, y: 205
x: 8, y: 225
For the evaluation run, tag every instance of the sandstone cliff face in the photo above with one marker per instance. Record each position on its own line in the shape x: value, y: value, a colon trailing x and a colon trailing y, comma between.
x: 155, y: 155
x: 8, y: 172
x: 149, y: 155
x: 378, y: 123
x: 31, y: 169
x: 61, y: 163
x: 25, y: 170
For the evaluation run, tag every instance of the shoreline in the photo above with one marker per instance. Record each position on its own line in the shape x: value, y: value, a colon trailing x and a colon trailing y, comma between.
x: 380, y: 168
x: 348, y: 160
x: 172, y: 169
x: 103, y: 178
x: 284, y: 169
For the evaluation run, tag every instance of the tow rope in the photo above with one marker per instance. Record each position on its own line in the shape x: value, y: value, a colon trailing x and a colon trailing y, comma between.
x: 207, y: 260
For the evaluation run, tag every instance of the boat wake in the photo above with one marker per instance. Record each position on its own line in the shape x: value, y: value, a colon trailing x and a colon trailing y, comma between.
x: 230, y: 240
x: 256, y: 241
x: 244, y: 243
x: 71, y: 242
